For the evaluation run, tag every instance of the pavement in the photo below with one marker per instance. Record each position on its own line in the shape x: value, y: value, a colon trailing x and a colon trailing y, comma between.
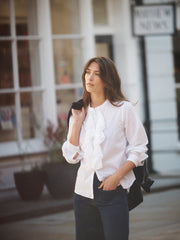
x: 13, y: 209
x: 157, y: 218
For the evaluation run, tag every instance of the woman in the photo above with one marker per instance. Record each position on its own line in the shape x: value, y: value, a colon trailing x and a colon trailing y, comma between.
x: 109, y: 140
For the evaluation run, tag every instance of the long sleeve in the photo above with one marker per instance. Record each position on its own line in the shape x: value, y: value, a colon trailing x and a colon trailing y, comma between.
x: 136, y: 136
x: 69, y: 150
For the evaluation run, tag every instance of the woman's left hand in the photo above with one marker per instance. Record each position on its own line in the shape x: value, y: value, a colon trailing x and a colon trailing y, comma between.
x: 109, y: 183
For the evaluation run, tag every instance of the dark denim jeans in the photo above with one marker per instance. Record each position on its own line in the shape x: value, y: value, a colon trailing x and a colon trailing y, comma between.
x: 106, y: 217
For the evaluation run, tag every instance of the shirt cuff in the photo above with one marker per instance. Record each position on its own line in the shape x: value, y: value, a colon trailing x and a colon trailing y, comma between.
x: 134, y: 158
x: 72, y: 147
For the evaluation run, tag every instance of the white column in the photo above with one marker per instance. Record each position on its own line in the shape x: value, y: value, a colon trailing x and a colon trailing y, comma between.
x: 86, y: 20
x: 46, y: 58
x: 126, y: 53
x: 76, y: 43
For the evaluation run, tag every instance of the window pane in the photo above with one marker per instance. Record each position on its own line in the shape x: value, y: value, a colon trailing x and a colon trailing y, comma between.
x: 26, y: 17
x: 31, y: 115
x: 4, y: 18
x: 100, y: 12
x: 29, y: 63
x: 6, y: 72
x: 178, y: 107
x: 65, y: 16
x: 104, y: 46
x: 7, y: 118
x: 64, y: 99
x: 67, y: 59
x: 176, y: 44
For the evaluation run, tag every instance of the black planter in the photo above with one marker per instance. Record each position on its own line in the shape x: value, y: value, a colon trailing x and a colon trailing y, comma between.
x: 60, y: 179
x: 29, y: 184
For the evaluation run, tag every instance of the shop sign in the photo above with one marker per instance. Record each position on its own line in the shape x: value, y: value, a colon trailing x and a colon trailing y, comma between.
x: 153, y: 19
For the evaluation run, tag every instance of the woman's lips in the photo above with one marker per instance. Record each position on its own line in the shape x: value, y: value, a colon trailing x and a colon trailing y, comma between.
x: 90, y: 84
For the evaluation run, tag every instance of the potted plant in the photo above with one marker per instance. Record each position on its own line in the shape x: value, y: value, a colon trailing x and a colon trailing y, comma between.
x: 29, y: 183
x: 60, y: 175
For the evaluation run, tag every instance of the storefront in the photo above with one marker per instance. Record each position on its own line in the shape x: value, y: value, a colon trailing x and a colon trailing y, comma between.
x: 43, y: 47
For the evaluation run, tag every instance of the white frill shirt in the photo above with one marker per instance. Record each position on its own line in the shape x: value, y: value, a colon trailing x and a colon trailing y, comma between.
x: 109, y: 137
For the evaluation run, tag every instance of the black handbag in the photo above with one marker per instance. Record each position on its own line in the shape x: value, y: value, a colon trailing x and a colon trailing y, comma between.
x: 135, y: 195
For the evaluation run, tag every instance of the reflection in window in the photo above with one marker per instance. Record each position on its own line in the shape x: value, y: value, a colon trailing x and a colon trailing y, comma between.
x: 67, y: 59
x: 65, y: 16
x: 26, y: 17
x: 6, y: 72
x: 29, y: 63
x: 64, y: 99
x: 7, y: 118
x: 31, y: 114
x: 6, y: 79
x: 100, y: 12
x: 4, y: 18
x: 104, y: 46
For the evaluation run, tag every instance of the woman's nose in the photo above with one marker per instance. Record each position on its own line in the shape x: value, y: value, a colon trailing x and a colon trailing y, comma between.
x: 90, y: 77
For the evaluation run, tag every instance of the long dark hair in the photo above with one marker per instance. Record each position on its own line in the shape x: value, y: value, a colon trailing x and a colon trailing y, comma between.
x: 110, y: 77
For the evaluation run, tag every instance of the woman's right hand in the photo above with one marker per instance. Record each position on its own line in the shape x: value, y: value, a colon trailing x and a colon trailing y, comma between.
x: 78, y: 118
x: 78, y: 115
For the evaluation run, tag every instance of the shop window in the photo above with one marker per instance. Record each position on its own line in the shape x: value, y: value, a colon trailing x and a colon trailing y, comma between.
x: 8, y: 121
x: 25, y: 17
x: 67, y: 52
x: 65, y: 16
x: 6, y: 76
x: 176, y: 45
x: 31, y: 114
x: 20, y: 85
x: 100, y: 12
x: 67, y: 61
x: 28, y: 63
x: 104, y: 46
x: 4, y: 18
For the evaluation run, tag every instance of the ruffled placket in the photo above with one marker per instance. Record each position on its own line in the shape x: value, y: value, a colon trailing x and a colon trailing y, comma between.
x: 94, y: 137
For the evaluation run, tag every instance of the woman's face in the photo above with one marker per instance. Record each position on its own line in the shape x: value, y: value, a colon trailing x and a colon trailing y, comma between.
x: 93, y: 81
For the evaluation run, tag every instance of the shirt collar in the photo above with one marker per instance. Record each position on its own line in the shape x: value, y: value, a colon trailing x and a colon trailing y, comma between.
x: 103, y: 105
